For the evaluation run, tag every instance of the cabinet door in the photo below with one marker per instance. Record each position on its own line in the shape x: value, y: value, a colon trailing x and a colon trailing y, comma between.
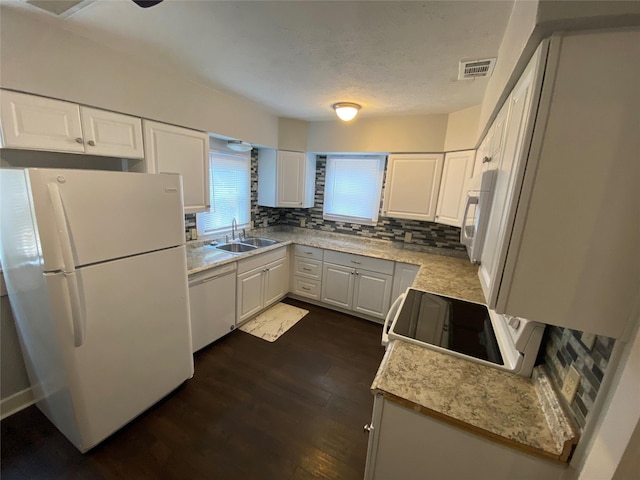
x: 413, y: 182
x: 179, y: 150
x: 111, y: 134
x: 291, y: 179
x: 505, y: 195
x: 458, y: 167
x: 38, y: 123
x: 337, y: 285
x: 276, y: 282
x: 250, y: 294
x: 372, y: 293
x: 403, y: 277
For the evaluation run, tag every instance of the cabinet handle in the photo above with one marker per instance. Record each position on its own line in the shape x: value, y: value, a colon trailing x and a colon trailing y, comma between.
x: 306, y: 269
x: 486, y: 159
x: 352, y: 273
x: 357, y: 263
x: 91, y: 143
x: 308, y: 253
x: 79, y: 140
x: 306, y: 289
x: 368, y: 428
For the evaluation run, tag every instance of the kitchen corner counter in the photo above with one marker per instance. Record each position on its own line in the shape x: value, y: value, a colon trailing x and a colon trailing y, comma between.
x: 519, y: 412
x: 440, y: 272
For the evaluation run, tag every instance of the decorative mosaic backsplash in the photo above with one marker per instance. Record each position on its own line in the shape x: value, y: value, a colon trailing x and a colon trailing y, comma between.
x: 562, y: 348
x: 423, y: 233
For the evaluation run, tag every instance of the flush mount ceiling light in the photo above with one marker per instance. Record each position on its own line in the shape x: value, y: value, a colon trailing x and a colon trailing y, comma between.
x: 346, y: 111
x: 238, y: 146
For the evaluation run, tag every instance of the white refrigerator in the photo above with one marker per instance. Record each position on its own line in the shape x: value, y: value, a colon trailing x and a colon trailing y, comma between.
x: 95, y: 266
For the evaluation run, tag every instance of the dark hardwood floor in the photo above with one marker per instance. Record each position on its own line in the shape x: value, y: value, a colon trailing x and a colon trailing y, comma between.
x: 291, y: 409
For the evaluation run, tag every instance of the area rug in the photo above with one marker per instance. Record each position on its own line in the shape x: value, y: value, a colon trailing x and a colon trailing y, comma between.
x: 272, y: 323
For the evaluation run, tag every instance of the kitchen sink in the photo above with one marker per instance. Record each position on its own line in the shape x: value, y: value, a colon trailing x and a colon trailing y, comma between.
x: 258, y: 241
x: 236, y: 247
x: 248, y: 244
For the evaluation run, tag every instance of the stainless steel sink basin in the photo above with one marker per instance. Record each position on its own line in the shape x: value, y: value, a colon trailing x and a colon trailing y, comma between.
x: 236, y: 247
x: 258, y: 241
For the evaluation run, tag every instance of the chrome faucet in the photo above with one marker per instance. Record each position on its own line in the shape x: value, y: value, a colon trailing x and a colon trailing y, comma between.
x: 234, y: 228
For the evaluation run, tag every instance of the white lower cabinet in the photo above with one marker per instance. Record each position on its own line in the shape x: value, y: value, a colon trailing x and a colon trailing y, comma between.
x: 306, y: 279
x: 212, y: 304
x: 357, y: 283
x: 409, y: 445
x: 403, y: 276
x: 262, y: 280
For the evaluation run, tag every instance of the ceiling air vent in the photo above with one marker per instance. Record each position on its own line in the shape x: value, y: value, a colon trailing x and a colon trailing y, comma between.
x: 476, y: 69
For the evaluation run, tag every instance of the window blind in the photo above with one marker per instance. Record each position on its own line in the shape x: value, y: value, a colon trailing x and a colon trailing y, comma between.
x: 352, y: 188
x: 230, y: 190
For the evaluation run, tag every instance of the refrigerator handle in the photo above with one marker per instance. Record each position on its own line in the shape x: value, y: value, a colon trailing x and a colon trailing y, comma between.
x: 61, y: 227
x: 78, y: 320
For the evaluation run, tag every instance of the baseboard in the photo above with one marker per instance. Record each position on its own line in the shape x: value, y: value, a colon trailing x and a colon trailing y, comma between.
x: 15, y: 403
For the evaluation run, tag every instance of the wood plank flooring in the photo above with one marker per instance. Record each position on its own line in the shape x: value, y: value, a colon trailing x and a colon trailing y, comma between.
x: 292, y: 409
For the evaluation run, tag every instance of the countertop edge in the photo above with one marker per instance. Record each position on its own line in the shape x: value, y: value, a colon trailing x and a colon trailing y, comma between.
x: 565, y: 433
x: 472, y: 428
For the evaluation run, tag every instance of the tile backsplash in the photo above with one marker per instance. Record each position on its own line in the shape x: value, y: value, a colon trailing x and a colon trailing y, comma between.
x: 562, y: 348
x: 424, y: 233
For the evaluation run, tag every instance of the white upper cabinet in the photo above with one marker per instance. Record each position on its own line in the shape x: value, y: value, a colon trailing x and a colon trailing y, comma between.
x: 286, y: 179
x: 458, y: 169
x: 568, y: 230
x: 413, y: 182
x: 182, y: 151
x: 38, y: 123
x: 111, y: 134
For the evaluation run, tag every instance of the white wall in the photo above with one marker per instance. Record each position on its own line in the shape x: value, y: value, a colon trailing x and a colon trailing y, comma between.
x: 39, y: 57
x: 462, y: 129
x: 410, y: 133
x: 292, y: 134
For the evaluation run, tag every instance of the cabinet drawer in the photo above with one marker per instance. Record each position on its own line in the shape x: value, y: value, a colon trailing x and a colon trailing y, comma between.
x: 359, y: 261
x: 306, y: 287
x: 306, y: 267
x: 261, y: 260
x: 308, y: 252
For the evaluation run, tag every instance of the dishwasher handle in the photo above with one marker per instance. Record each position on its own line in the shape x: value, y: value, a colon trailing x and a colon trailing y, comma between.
x: 393, y: 313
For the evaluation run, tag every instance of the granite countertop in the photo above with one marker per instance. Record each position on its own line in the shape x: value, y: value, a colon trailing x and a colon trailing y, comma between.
x: 439, y: 271
x: 516, y: 411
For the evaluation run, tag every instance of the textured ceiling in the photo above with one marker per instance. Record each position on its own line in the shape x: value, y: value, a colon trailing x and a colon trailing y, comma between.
x: 298, y: 57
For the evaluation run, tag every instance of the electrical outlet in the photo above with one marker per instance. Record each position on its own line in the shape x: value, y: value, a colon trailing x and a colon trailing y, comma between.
x: 408, y: 236
x: 570, y: 384
x: 303, y: 222
x: 588, y: 339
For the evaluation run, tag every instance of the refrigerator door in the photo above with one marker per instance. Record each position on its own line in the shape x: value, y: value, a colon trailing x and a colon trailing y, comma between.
x: 137, y: 342
x: 86, y: 217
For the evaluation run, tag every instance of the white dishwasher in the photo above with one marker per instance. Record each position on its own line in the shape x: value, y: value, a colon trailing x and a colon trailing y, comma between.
x: 212, y: 300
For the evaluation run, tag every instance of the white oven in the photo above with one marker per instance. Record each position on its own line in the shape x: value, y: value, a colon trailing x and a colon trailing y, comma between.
x: 464, y: 329
x: 476, y: 213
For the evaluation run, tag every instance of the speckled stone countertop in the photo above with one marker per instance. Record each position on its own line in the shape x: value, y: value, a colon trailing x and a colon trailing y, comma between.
x: 439, y: 272
x: 516, y: 411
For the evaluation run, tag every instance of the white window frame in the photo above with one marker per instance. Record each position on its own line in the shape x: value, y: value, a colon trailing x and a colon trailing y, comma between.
x: 204, y: 218
x: 331, y: 211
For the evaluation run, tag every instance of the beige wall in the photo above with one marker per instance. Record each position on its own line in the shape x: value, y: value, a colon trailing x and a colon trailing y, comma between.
x: 292, y: 134
x: 519, y: 29
x: 41, y: 58
x: 412, y: 133
x: 462, y: 129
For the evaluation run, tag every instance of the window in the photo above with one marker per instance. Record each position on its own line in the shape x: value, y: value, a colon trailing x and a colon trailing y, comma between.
x: 352, y: 188
x: 230, y: 190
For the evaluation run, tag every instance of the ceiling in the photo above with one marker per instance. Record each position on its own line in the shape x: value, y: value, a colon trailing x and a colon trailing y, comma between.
x: 297, y: 58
